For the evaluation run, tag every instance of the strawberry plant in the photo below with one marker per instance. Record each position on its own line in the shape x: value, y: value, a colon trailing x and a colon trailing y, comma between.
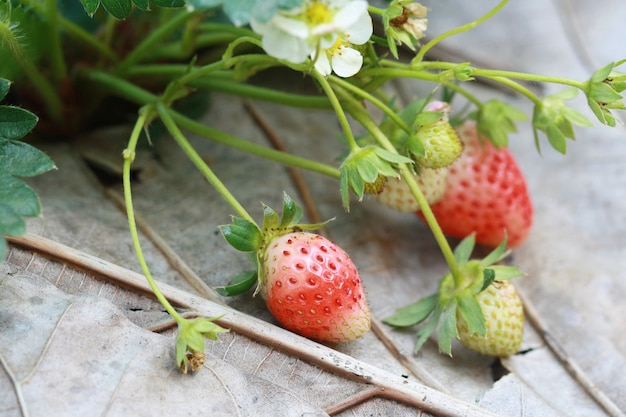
x: 70, y: 60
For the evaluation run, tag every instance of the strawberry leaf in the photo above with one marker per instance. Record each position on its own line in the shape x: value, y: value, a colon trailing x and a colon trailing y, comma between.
x: 17, y: 159
x: 5, y: 85
x: 242, y: 235
x: 120, y: 9
x: 239, y: 284
x: 448, y: 329
x: 15, y: 122
x: 270, y: 218
x: 414, y: 313
x: 90, y: 6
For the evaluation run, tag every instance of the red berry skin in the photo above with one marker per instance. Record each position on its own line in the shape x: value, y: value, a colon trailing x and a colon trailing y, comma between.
x: 313, y: 288
x: 486, y: 193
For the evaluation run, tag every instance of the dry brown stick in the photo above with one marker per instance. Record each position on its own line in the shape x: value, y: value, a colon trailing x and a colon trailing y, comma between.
x: 391, y: 386
x: 296, y: 176
x: 170, y: 254
x: 570, y: 365
x: 354, y: 400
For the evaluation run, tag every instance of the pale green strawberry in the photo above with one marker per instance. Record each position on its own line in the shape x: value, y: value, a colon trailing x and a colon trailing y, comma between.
x: 442, y: 145
x: 396, y: 193
x: 504, y: 320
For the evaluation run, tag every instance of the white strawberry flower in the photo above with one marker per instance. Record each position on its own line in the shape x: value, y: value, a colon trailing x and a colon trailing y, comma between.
x: 320, y: 29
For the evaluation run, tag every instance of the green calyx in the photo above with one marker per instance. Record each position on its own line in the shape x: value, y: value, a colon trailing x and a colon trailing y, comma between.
x: 246, y: 236
x: 603, y: 91
x: 365, y: 166
x: 456, y: 296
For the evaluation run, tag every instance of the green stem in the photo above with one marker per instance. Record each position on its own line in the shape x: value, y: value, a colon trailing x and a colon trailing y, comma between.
x: 39, y: 82
x: 222, y: 81
x: 55, y: 53
x: 197, y: 160
x: 419, y: 57
x: 361, y: 115
x: 131, y: 92
x: 341, y: 115
x: 152, y: 41
x: 519, y: 88
x: 367, y: 96
x: 489, y: 73
x: 129, y: 156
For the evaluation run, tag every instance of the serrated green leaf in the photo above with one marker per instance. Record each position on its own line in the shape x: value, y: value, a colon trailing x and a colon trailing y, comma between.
x: 22, y: 160
x: 242, y: 235
x: 412, y: 314
x: 469, y: 309
x: 142, y: 4
x: 5, y: 86
x: 90, y: 6
x: 15, y: 122
x: 120, y: 9
x: 464, y: 249
x: 448, y: 329
x: 169, y: 3
x: 239, y: 284
x: 19, y: 196
x: 11, y: 223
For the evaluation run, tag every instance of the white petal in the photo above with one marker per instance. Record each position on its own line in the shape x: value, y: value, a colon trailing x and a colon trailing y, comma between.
x: 291, y: 27
x: 322, y: 64
x: 350, y: 13
x: 361, y: 31
x: 347, y: 63
x: 280, y: 45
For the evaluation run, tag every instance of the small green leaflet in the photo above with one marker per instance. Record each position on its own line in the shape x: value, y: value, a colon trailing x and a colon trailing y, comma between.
x: 5, y: 85
x: 15, y: 122
x: 239, y: 284
x: 242, y: 235
x: 448, y: 329
x: 412, y: 314
x: 120, y: 9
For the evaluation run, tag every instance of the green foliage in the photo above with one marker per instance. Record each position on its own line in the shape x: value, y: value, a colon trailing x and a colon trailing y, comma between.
x: 239, y: 284
x: 496, y: 120
x: 27, y: 39
x: 17, y: 160
x: 556, y: 119
x: 456, y: 297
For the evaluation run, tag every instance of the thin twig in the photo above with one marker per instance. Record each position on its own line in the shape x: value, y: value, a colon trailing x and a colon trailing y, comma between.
x: 354, y: 400
x: 570, y: 365
x: 170, y: 254
x: 296, y: 176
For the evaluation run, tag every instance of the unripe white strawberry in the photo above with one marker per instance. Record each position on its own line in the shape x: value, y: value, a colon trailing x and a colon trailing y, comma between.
x: 504, y: 319
x: 396, y: 193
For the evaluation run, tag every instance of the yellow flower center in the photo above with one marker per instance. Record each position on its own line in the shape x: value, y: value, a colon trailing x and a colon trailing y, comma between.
x: 341, y: 42
x: 317, y: 13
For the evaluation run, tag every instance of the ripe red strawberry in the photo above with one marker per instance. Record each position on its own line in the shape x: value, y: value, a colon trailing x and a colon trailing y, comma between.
x: 504, y: 320
x: 485, y: 193
x: 312, y: 288
x: 396, y: 193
